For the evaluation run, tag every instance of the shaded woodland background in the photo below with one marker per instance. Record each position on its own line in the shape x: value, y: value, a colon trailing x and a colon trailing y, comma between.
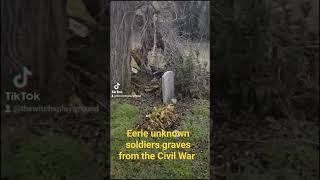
x: 266, y: 90
x: 265, y: 98
x: 63, y: 43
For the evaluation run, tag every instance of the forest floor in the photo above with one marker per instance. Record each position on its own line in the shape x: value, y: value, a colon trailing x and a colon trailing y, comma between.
x: 42, y: 146
x: 247, y: 148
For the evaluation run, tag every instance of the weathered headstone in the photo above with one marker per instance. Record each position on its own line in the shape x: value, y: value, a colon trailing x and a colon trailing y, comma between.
x: 167, y: 82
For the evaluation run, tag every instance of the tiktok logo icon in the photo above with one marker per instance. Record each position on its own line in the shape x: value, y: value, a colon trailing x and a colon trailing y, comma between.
x: 116, y: 87
x: 116, y: 91
x: 21, y: 80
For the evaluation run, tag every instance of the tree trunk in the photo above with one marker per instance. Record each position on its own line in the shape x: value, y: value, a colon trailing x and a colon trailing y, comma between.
x: 121, y: 17
x: 33, y: 35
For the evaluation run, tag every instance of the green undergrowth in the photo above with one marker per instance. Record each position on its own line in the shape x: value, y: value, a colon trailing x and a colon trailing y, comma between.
x: 51, y: 157
x: 282, y: 161
x: 125, y: 117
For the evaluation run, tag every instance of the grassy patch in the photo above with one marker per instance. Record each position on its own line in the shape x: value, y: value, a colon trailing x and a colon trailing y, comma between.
x: 125, y: 117
x: 197, y: 121
x: 51, y: 157
x: 283, y: 160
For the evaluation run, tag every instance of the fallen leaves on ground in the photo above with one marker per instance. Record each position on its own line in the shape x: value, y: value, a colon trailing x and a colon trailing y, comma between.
x: 161, y: 117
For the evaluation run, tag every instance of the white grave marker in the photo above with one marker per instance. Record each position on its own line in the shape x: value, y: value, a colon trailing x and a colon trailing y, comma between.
x: 167, y: 82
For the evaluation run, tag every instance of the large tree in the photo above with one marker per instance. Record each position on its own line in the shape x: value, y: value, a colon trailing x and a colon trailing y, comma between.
x: 33, y: 35
x: 121, y: 18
